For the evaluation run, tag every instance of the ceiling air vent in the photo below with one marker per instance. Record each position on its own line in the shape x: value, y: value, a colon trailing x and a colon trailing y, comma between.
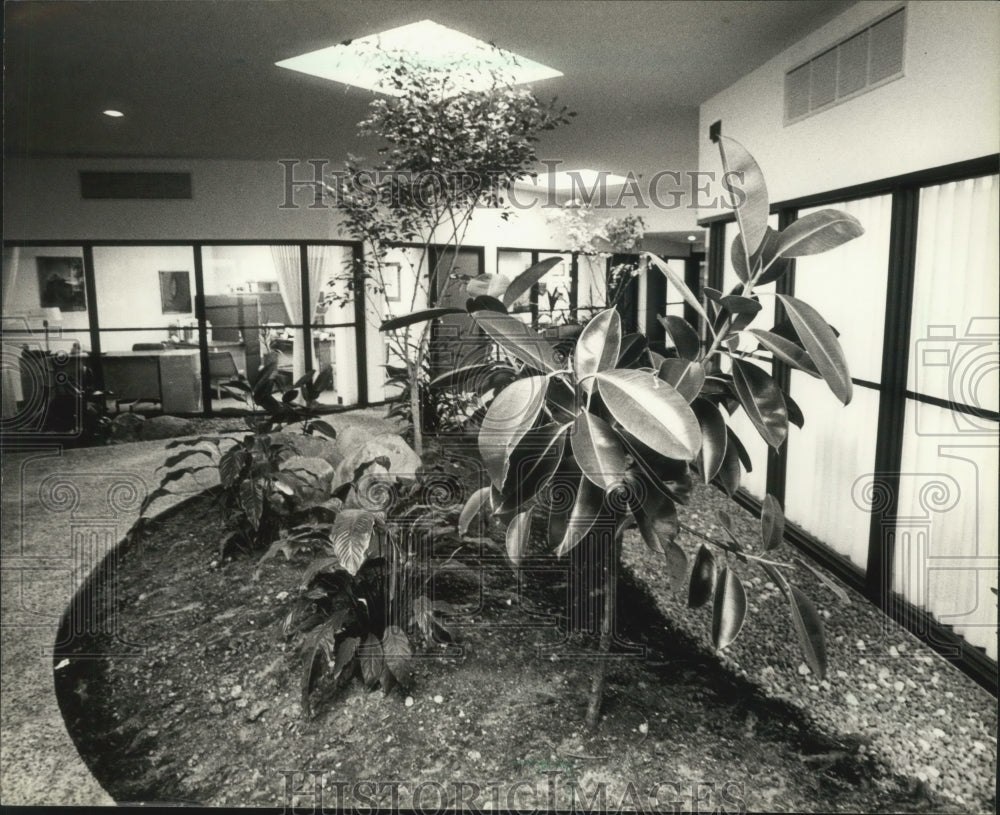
x: 865, y: 60
x: 128, y: 185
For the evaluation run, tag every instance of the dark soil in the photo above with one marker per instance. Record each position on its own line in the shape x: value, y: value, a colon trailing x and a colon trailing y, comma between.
x: 187, y: 693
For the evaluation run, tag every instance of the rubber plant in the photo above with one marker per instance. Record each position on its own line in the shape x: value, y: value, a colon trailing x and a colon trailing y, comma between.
x: 616, y: 433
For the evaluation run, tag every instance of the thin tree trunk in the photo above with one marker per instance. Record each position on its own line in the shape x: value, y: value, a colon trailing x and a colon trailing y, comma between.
x: 415, y: 406
x: 609, y: 578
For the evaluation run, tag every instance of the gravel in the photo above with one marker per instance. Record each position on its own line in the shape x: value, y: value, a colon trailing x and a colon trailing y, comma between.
x: 908, y: 708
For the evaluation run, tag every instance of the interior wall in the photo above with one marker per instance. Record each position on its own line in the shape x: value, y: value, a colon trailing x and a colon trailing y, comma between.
x: 946, y: 107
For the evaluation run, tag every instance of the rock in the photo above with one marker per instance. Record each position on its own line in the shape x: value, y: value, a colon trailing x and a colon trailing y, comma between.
x: 409, y: 701
x: 403, y: 462
x: 851, y: 699
x: 165, y: 427
x: 215, y: 710
x: 126, y: 427
x: 317, y: 473
x: 474, y: 755
x: 438, y: 699
x: 310, y: 446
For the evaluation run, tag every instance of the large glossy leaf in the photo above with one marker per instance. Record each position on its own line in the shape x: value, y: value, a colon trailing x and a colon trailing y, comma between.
x: 821, y: 344
x: 532, y: 464
x: 351, y: 536
x: 685, y: 376
x: 741, y: 451
x: 772, y: 523
x: 678, y: 283
x: 527, y: 279
x: 633, y: 347
x: 736, y: 304
x: 517, y: 536
x: 683, y: 336
x: 518, y: 340
x: 652, y: 411
x: 598, y: 451
x: 252, y: 499
x: 771, y: 266
x: 598, y: 347
x: 586, y: 508
x: 713, y: 437
x: 788, y: 352
x: 397, y: 653
x: 670, y: 476
x: 484, y: 302
x: 472, y: 509
x: 728, y: 477
x: 738, y: 257
x: 371, y: 659
x: 656, y: 517
x: 809, y: 629
x: 702, y: 578
x: 817, y: 232
x: 794, y: 411
x: 511, y: 414
x: 729, y: 609
x: 418, y: 317
x: 762, y: 400
x: 746, y: 181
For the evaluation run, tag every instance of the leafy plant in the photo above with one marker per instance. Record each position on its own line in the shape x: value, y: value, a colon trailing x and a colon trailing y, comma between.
x: 363, y: 598
x: 256, y: 493
x: 448, y: 146
x: 623, y: 431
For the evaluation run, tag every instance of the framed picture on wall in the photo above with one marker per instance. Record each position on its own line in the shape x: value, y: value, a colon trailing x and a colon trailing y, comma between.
x: 60, y: 283
x: 175, y: 292
x: 391, y: 274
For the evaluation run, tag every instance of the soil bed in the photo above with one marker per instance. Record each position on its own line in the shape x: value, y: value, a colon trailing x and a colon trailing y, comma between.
x: 208, y: 712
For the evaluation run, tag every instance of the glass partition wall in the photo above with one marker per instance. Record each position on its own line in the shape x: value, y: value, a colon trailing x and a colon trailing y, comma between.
x: 45, y: 338
x: 128, y: 315
x: 896, y: 493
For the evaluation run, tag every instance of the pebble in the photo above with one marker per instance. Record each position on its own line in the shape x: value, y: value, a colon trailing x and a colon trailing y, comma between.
x: 644, y: 728
x: 281, y: 595
x: 242, y: 703
x: 409, y: 701
x: 898, y: 686
x: 236, y: 691
x: 803, y: 669
x: 860, y: 645
x: 924, y: 745
x: 851, y: 699
x: 438, y: 699
x: 893, y: 651
x: 474, y: 755
x: 215, y: 710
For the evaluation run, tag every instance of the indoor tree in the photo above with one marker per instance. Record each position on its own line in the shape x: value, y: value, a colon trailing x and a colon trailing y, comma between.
x: 619, y: 432
x: 453, y: 138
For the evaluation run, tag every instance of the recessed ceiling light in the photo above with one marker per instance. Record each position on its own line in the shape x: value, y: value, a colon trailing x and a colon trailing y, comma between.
x: 114, y: 114
x: 362, y: 63
x: 576, y: 180
x: 692, y: 237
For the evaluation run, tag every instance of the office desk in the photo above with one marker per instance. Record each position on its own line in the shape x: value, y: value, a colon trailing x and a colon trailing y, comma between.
x: 172, y: 378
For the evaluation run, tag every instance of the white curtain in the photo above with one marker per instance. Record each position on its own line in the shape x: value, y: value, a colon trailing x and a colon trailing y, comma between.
x: 289, y: 271
x: 946, y: 543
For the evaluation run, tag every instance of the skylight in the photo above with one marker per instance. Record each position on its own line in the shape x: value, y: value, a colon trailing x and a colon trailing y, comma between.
x: 474, y: 64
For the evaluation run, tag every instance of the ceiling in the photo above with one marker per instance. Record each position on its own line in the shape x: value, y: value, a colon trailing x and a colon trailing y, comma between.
x: 197, y: 79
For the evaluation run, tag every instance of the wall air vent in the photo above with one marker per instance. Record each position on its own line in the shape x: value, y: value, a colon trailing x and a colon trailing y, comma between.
x: 865, y: 60
x: 130, y: 185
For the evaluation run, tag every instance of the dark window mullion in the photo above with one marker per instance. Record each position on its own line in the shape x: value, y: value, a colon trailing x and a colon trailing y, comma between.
x: 777, y: 460
x: 199, y: 314
x: 892, y: 399
x: 90, y: 286
x: 361, y: 324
